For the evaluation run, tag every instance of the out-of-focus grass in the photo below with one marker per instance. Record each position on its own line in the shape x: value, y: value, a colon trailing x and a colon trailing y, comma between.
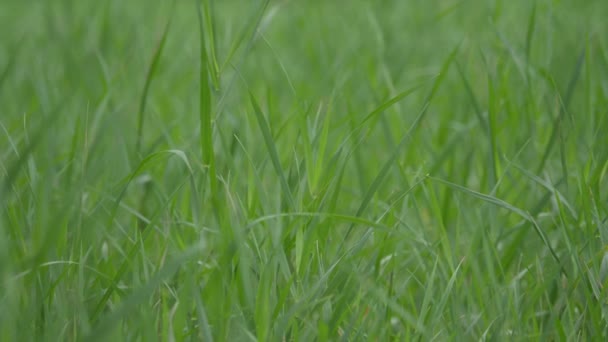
x: 285, y: 170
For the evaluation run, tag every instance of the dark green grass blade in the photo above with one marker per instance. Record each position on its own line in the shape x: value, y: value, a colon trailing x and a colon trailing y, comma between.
x: 492, y: 112
x: 255, y: 24
x: 386, y: 105
x: 207, y: 21
x: 530, y: 31
x: 205, y: 114
x: 500, y: 203
x: 388, y: 165
x: 141, y: 295
x: 272, y: 149
x: 7, y: 69
x: 144, y: 97
x: 145, y: 232
x: 562, y: 113
x: 391, y: 160
x: 472, y: 98
x: 249, y: 30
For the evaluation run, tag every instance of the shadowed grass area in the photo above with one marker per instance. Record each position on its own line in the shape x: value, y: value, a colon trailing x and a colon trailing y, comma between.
x: 320, y: 170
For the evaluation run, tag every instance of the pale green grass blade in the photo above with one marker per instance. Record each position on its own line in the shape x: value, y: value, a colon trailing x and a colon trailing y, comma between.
x: 549, y: 187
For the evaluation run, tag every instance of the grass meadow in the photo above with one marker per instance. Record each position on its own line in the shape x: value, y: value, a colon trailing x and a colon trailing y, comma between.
x: 315, y: 170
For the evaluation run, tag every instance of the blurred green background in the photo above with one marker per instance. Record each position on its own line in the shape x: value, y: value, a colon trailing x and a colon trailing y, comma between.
x: 487, y: 222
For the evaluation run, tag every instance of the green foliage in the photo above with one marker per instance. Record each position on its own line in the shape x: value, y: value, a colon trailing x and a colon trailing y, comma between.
x: 303, y: 170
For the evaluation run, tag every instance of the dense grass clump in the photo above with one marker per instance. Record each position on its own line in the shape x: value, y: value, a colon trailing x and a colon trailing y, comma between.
x: 303, y: 170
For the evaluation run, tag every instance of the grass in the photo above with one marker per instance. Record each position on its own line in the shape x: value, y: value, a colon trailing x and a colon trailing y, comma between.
x: 282, y: 170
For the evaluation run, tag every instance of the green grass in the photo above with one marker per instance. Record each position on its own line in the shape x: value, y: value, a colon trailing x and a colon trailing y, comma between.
x: 303, y: 170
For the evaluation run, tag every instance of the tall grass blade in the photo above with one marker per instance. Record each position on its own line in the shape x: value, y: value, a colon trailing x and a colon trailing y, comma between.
x: 205, y: 112
x: 272, y: 150
x: 144, y: 96
x: 557, y: 122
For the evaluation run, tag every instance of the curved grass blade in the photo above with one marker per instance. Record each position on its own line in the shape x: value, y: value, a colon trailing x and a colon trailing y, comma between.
x: 144, y: 97
x: 500, y: 203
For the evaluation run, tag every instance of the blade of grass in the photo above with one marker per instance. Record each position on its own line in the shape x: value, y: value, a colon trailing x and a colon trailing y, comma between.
x: 207, y: 18
x: 502, y: 204
x: 339, y: 217
x: 272, y: 150
x: 8, y: 68
x: 41, y: 131
x: 530, y: 31
x: 472, y: 98
x: 391, y: 160
x: 550, y: 187
x: 492, y: 112
x: 144, y: 231
x: 144, y: 97
x: 141, y: 295
x: 202, y: 317
x: 255, y: 21
x: 563, y: 110
x: 205, y: 116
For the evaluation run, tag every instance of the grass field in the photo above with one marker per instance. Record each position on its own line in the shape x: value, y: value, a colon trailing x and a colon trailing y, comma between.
x: 304, y: 170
